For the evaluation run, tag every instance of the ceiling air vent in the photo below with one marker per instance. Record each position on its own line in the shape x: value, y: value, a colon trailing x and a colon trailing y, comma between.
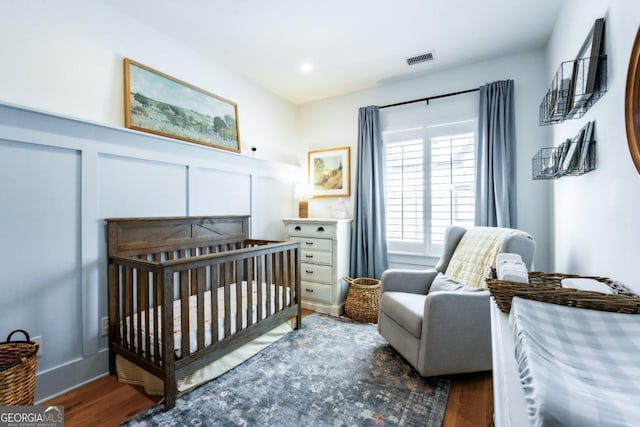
x: 418, y: 59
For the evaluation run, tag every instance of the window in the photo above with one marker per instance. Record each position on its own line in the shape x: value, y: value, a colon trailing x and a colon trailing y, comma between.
x: 452, y: 184
x: 429, y: 185
x: 404, y: 185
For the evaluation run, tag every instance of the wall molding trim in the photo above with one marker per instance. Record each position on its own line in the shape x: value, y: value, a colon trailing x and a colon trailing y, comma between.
x: 67, y: 175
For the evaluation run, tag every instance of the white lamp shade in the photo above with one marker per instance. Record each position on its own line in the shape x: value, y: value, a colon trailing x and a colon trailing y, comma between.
x: 303, y: 191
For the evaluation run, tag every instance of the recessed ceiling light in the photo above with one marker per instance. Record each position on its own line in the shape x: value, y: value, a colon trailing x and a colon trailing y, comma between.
x: 306, y: 67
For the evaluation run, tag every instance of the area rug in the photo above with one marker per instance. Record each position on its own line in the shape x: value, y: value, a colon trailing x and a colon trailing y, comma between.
x: 332, y: 372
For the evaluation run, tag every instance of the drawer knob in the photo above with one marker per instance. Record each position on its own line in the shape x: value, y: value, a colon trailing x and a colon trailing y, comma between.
x: 308, y: 243
x: 309, y: 290
x: 309, y: 271
x: 298, y: 228
x: 320, y: 229
x: 309, y: 256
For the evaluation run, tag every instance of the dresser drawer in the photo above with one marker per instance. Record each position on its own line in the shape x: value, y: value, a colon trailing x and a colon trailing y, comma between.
x: 326, y: 231
x: 317, y: 273
x: 314, y: 244
x: 316, y: 292
x: 317, y: 257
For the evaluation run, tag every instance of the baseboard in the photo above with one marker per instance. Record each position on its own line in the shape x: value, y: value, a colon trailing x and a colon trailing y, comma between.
x: 61, y: 379
x: 324, y: 308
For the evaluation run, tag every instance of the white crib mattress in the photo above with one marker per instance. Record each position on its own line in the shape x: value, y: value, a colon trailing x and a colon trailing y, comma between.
x: 193, y: 330
x: 577, y: 367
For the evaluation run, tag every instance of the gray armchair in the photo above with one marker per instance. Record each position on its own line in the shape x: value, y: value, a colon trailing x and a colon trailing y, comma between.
x: 444, y: 332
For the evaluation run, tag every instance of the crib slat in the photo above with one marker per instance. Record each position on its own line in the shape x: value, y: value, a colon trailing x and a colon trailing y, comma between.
x: 240, y: 291
x: 168, y: 360
x: 282, y: 295
x: 281, y: 280
x: 140, y: 308
x: 215, y: 280
x: 250, y: 288
x: 193, y: 252
x: 269, y: 281
x: 119, y: 318
x: 157, y: 302
x: 259, y: 286
x: 183, y: 283
x: 200, y: 274
x: 128, y: 281
x: 274, y: 282
x: 148, y: 278
x: 227, y: 301
x: 291, y: 278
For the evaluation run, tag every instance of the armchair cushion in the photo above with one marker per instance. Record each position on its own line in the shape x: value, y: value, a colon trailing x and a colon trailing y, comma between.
x: 405, y: 309
x: 443, y: 283
x: 477, y: 249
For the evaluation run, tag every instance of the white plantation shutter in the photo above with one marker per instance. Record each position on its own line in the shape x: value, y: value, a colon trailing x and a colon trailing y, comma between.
x: 429, y: 185
x: 452, y: 184
x: 404, y: 190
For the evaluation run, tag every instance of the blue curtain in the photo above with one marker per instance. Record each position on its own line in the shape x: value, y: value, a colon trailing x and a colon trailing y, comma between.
x: 496, y: 157
x: 369, y: 237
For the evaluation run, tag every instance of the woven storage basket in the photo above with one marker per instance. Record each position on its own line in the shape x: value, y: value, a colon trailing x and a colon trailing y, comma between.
x: 547, y: 287
x: 18, y: 371
x: 363, y: 299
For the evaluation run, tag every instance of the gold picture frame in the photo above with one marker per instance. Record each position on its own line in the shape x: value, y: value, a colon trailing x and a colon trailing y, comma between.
x: 163, y: 105
x: 330, y: 172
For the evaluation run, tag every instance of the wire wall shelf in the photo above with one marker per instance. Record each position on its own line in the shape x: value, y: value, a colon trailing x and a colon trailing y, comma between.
x: 575, y: 87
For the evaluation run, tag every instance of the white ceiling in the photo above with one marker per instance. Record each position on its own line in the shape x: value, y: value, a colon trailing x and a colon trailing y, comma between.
x: 351, y: 44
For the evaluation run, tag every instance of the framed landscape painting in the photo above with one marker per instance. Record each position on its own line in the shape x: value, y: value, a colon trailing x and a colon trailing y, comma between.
x: 329, y: 172
x: 162, y: 105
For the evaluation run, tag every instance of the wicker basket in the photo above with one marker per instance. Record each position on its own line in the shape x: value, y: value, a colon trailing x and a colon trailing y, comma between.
x: 363, y: 299
x: 547, y: 287
x: 18, y: 371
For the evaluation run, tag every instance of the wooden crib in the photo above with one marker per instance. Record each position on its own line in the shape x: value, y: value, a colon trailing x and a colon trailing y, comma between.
x: 163, y: 270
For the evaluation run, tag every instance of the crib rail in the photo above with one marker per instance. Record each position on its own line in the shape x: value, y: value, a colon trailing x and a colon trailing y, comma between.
x: 143, y: 287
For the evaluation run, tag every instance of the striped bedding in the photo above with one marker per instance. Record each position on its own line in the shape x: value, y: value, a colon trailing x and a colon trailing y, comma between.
x: 577, y: 367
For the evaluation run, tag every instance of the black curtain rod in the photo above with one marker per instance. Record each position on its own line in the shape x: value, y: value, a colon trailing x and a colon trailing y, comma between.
x: 427, y: 99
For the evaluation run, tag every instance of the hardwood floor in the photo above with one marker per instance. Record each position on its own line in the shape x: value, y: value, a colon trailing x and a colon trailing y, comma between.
x: 106, y: 402
x: 470, y: 401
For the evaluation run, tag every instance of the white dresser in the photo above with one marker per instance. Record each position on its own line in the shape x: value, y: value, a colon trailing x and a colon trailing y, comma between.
x: 325, y: 261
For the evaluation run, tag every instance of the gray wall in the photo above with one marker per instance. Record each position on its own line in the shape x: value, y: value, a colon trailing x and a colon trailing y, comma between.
x: 59, y: 179
x: 333, y: 123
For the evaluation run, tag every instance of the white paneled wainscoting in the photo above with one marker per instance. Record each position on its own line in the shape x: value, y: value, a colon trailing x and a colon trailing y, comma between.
x: 59, y: 179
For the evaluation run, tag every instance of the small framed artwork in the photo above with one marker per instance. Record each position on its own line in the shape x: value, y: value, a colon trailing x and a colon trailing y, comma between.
x: 162, y: 105
x: 329, y: 172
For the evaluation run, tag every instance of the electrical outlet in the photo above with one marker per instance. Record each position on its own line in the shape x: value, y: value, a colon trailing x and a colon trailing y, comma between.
x: 104, y: 322
x: 38, y: 340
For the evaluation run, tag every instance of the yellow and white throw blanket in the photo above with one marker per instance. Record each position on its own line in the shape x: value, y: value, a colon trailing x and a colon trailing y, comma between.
x: 477, y: 250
